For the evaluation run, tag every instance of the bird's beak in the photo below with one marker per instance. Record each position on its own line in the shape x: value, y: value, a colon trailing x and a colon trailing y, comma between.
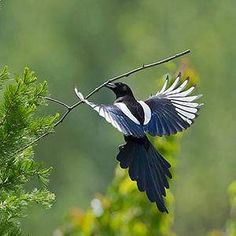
x: 110, y: 86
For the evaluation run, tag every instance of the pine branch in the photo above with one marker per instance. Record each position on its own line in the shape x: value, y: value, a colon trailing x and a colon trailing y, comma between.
x: 23, y: 181
x: 125, y: 75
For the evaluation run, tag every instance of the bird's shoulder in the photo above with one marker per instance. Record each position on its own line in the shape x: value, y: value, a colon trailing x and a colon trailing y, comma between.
x: 133, y: 106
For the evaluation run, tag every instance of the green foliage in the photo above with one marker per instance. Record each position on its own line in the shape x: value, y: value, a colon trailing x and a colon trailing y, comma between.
x: 230, y: 227
x: 23, y: 181
x: 231, y: 223
x: 124, y: 210
x: 82, y: 43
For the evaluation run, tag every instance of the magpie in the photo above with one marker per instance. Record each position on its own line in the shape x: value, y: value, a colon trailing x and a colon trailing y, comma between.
x: 169, y: 111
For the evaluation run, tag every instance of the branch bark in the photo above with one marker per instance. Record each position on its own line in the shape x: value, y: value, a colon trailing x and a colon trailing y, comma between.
x: 70, y: 108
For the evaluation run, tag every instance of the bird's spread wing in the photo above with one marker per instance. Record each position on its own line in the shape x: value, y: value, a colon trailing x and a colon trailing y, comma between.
x: 172, y: 109
x: 114, y: 115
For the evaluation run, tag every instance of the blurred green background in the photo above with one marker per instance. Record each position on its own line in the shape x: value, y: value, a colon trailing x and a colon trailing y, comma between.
x: 85, y: 42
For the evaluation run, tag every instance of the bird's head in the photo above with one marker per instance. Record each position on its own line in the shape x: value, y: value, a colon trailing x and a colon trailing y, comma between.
x: 120, y: 89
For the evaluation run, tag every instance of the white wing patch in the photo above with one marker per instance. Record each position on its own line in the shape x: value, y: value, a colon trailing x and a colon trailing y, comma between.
x: 126, y: 111
x: 147, y: 112
x: 118, y: 115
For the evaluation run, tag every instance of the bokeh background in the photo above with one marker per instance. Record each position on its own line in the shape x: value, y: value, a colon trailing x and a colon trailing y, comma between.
x: 85, y: 42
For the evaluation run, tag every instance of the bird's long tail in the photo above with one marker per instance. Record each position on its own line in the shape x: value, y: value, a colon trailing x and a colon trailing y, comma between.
x: 147, y: 167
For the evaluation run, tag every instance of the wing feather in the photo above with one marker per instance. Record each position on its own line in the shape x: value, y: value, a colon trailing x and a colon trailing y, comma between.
x: 173, y: 110
x: 114, y: 115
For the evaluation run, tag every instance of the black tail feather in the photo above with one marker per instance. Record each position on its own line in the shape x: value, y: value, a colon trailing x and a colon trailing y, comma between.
x: 147, y: 167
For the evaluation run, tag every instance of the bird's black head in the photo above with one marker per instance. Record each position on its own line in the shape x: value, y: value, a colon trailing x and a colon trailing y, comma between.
x: 120, y: 89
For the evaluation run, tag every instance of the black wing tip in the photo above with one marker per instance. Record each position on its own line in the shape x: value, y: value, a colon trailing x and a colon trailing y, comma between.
x: 179, y: 75
x: 187, y: 79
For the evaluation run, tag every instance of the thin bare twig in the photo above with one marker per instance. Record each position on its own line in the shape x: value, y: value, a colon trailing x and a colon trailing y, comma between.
x: 57, y: 101
x: 125, y: 75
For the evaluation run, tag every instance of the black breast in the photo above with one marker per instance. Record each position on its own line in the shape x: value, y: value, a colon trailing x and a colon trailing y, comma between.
x: 135, y: 108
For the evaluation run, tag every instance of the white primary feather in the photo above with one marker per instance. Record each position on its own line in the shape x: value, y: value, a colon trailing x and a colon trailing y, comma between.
x: 186, y: 119
x: 180, y: 88
x: 186, y: 114
x: 173, y: 86
x: 182, y: 94
x: 189, y: 104
x: 189, y: 109
x: 187, y: 99
x: 164, y: 86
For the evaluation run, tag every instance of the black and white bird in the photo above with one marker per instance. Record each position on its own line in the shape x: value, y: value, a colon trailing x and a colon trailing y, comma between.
x: 170, y: 111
